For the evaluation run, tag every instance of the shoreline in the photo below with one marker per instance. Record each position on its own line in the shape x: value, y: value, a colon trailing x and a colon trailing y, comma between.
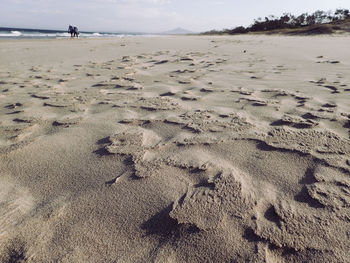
x: 247, y: 35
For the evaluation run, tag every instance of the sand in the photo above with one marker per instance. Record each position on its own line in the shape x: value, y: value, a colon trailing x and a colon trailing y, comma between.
x: 175, y: 149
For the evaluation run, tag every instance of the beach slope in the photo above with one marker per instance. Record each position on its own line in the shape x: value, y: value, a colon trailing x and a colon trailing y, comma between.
x: 175, y: 149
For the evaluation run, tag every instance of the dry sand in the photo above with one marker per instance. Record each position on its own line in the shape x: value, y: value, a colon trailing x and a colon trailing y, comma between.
x: 175, y: 149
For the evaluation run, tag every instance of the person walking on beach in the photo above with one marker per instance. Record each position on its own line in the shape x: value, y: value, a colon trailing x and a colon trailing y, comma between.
x: 76, y: 32
x: 71, y: 30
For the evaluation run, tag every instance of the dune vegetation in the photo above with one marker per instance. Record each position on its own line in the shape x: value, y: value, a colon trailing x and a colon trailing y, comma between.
x: 319, y: 22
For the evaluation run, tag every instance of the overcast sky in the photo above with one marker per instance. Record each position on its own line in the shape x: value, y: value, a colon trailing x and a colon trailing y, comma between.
x: 150, y: 15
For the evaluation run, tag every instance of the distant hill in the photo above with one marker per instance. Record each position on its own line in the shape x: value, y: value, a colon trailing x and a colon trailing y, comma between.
x: 177, y: 31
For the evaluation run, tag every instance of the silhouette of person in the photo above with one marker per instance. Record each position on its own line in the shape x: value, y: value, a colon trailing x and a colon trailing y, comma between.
x: 76, y: 32
x: 71, y: 30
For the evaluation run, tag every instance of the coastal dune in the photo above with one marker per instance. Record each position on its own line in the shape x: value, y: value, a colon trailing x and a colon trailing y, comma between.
x: 175, y: 149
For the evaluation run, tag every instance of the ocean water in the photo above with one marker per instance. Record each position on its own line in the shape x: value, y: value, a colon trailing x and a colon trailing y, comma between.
x: 20, y: 33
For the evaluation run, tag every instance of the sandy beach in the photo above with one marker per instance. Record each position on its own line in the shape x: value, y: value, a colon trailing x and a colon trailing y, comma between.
x: 175, y: 149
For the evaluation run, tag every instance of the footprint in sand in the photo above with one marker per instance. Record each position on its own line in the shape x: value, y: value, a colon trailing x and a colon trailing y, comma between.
x: 332, y: 88
x: 320, y: 60
x: 13, y: 105
x: 182, y: 59
x: 329, y: 105
x: 41, y: 96
x: 184, y: 71
x: 15, y: 112
x: 167, y: 94
x: 57, y: 104
x: 206, y: 90
x: 328, y: 85
x: 161, y: 62
x: 184, y: 82
x: 26, y: 120
x: 190, y: 97
x: 67, y: 121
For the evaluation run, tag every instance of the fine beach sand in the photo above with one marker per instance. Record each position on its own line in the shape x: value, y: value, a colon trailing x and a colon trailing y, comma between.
x: 175, y: 149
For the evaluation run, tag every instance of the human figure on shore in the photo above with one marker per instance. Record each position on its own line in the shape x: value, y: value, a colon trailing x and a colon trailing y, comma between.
x: 71, y: 30
x: 76, y: 32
